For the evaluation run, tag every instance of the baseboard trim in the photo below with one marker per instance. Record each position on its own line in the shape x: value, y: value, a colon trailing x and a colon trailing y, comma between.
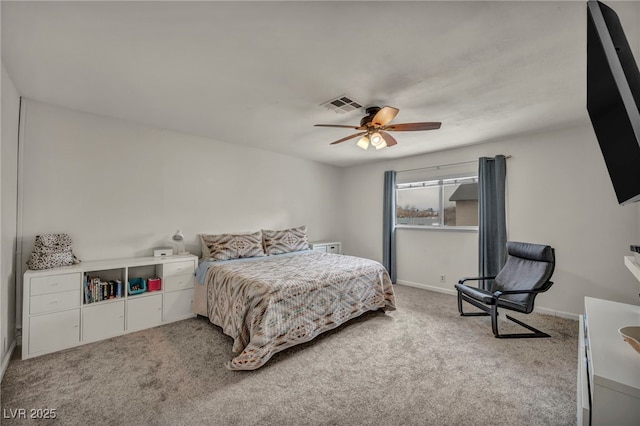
x: 7, y: 358
x: 560, y: 314
x: 453, y: 292
x: 427, y: 287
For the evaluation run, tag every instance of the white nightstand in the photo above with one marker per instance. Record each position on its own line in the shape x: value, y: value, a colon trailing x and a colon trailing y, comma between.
x: 326, y: 246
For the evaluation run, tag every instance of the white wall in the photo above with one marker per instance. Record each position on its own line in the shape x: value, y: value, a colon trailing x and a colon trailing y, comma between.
x: 559, y: 193
x: 8, y: 188
x: 121, y: 189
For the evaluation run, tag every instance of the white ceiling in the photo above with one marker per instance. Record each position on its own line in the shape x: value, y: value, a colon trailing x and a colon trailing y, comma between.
x: 255, y: 73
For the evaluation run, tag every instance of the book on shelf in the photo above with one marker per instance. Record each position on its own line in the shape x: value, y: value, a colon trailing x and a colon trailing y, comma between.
x: 87, y: 292
x: 97, y: 290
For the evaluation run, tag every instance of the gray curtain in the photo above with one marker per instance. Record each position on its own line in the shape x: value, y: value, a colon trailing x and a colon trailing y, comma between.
x: 388, y: 224
x: 492, y: 225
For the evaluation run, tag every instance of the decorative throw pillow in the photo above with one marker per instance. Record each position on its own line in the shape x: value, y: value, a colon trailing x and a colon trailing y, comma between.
x: 285, y: 241
x: 231, y: 246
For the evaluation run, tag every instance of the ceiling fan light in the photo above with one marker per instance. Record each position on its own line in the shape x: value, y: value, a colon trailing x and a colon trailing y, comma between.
x: 381, y: 145
x: 363, y: 142
x: 376, y: 139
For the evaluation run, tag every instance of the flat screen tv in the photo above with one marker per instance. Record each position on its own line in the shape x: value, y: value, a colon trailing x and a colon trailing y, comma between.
x: 613, y: 99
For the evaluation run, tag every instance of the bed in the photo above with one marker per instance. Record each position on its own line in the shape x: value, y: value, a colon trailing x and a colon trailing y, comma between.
x: 270, y: 303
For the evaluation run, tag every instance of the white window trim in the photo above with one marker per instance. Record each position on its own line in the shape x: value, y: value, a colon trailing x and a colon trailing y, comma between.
x: 439, y: 228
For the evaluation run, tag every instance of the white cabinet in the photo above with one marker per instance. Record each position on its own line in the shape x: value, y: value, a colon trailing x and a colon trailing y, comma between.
x: 58, y: 312
x: 52, y: 332
x: 177, y: 305
x: 144, y: 312
x: 179, y: 280
x: 608, y: 368
x: 326, y: 246
x: 102, y: 321
x: 51, y: 313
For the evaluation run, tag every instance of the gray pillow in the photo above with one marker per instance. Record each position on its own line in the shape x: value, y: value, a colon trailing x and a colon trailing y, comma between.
x: 286, y: 240
x: 231, y: 246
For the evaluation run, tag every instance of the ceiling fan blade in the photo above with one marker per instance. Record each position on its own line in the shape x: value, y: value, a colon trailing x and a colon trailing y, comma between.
x: 409, y: 127
x: 385, y: 115
x: 348, y: 137
x: 340, y: 126
x: 390, y: 140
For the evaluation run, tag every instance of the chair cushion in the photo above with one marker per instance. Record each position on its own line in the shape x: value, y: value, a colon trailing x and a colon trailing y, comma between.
x: 476, y: 293
x: 503, y: 302
x: 528, y: 267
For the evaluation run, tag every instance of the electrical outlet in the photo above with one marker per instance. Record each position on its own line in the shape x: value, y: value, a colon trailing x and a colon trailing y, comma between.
x: 443, y: 278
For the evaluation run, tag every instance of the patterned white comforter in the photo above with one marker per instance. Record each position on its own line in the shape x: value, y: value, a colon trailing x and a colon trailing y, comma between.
x: 275, y: 302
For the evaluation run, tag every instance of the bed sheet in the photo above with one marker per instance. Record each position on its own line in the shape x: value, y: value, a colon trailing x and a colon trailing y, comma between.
x: 270, y: 303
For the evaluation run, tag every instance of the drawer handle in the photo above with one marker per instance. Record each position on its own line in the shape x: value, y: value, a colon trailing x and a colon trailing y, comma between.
x: 52, y: 284
x: 53, y: 302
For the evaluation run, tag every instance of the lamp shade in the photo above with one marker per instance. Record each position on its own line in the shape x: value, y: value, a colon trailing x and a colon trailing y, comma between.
x: 363, y: 142
x: 178, y: 237
x: 376, y: 139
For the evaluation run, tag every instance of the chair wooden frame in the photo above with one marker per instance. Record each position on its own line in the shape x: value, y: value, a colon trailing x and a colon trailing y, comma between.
x: 491, y: 309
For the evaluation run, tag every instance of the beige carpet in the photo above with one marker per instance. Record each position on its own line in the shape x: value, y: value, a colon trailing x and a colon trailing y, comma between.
x: 420, y: 365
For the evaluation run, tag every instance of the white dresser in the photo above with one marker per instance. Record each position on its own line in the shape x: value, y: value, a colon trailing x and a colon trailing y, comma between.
x: 57, y: 314
x: 608, y: 367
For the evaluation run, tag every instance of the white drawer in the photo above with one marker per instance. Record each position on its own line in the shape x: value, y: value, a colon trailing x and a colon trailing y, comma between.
x: 55, y: 283
x: 178, y: 268
x: 178, y: 282
x: 54, y: 302
x: 333, y: 248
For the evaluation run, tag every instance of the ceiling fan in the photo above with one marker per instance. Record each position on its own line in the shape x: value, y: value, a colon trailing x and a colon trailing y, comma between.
x: 375, y: 126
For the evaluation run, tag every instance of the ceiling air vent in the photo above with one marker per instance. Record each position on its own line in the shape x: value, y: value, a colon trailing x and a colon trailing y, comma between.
x: 341, y: 104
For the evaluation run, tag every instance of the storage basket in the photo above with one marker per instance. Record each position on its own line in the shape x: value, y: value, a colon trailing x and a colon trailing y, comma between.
x: 153, y: 284
x: 136, y: 286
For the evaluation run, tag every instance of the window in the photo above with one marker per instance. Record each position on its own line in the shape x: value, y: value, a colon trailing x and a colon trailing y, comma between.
x: 439, y: 203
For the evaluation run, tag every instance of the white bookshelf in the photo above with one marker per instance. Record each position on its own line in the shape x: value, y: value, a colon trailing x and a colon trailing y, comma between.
x: 56, y: 314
